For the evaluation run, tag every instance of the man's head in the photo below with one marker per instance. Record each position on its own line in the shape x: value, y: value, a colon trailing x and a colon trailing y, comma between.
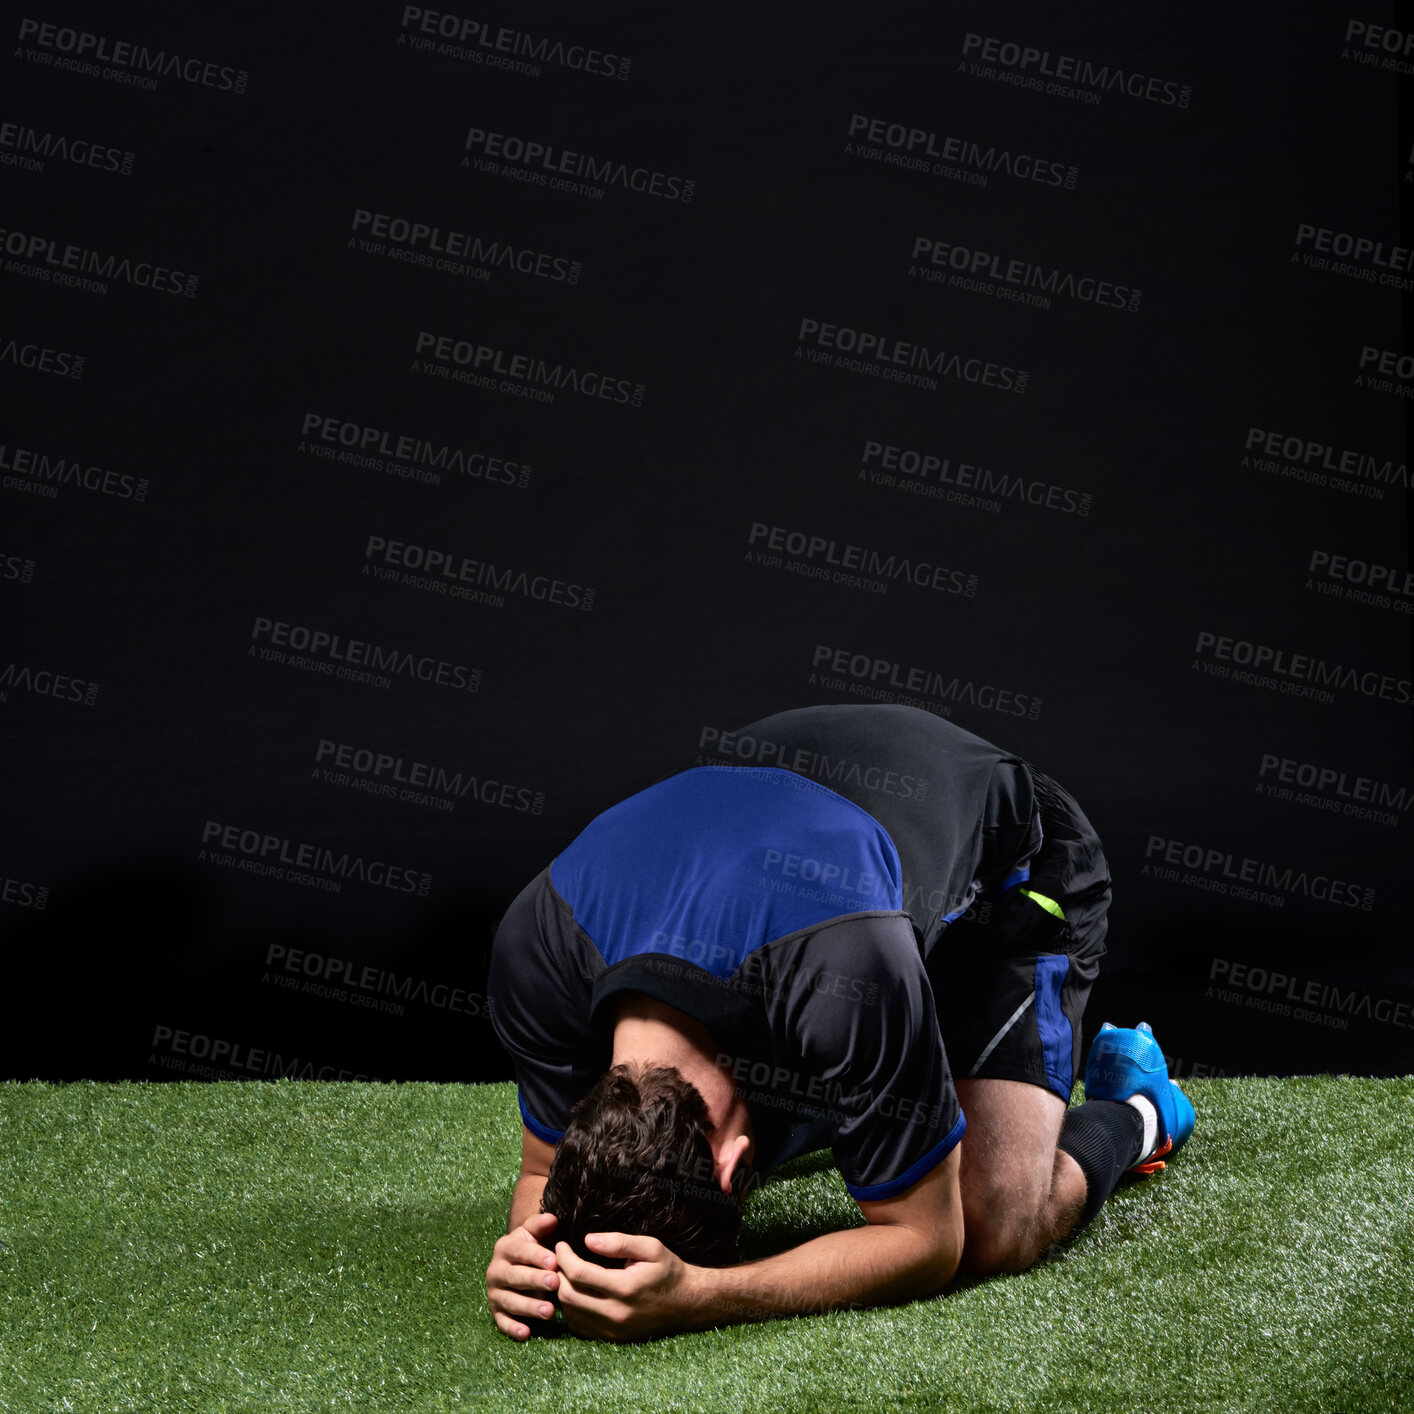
x: 639, y: 1157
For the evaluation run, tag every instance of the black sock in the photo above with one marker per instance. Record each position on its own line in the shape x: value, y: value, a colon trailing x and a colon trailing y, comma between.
x: 1104, y: 1137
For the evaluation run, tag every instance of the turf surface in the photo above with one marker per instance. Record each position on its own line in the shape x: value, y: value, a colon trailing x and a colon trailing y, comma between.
x: 299, y: 1246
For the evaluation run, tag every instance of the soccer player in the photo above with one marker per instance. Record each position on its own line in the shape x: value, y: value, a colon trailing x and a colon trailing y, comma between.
x: 866, y: 929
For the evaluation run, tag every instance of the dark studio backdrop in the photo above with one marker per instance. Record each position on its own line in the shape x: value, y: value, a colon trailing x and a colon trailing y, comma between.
x: 423, y: 428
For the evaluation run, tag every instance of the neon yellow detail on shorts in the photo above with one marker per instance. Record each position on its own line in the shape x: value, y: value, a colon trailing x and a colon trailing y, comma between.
x: 1049, y: 904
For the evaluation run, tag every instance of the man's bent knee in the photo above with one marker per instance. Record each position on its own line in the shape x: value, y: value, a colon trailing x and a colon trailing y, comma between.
x: 1001, y: 1230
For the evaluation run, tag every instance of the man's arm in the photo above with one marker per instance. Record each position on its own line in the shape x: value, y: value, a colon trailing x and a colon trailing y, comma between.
x: 535, y: 1157
x: 523, y: 1278
x: 909, y: 1248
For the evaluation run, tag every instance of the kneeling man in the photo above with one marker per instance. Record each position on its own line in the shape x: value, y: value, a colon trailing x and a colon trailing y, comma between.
x: 854, y: 927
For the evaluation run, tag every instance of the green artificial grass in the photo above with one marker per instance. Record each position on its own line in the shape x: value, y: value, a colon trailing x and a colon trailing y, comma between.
x: 292, y: 1246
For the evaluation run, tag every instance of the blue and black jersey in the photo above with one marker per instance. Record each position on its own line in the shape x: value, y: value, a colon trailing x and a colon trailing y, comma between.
x: 961, y: 811
x: 791, y: 918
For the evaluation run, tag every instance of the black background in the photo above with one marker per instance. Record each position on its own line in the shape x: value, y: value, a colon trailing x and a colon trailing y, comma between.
x: 1093, y: 621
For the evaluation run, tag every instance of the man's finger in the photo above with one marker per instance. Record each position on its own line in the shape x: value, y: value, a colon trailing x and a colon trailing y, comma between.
x: 588, y: 1276
x: 535, y: 1281
x: 514, y: 1329
x: 584, y: 1302
x: 525, y: 1308
x: 521, y: 1248
x: 599, y: 1317
x: 633, y: 1246
x: 540, y: 1225
x: 574, y: 1302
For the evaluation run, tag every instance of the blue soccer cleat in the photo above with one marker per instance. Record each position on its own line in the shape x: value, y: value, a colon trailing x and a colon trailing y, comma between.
x: 1123, y: 1063
x: 1185, y: 1116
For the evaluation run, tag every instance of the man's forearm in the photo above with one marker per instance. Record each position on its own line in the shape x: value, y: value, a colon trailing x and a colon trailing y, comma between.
x: 525, y: 1201
x: 874, y: 1265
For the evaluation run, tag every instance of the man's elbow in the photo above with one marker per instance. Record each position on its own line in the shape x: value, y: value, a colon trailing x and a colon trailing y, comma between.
x: 943, y: 1264
x: 929, y: 1218
x: 939, y: 1254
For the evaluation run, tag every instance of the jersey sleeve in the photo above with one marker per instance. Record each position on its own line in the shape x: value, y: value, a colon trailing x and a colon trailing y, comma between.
x: 855, y: 1005
x: 539, y: 987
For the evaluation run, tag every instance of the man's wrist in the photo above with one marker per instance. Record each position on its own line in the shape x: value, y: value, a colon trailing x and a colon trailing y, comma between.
x: 525, y: 1200
x: 723, y: 1296
x: 699, y: 1299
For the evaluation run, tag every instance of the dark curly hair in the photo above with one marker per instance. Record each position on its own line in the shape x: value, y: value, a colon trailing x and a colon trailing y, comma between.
x: 636, y: 1159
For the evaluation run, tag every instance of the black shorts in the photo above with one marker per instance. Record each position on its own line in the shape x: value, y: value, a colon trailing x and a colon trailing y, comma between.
x: 1011, y: 978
